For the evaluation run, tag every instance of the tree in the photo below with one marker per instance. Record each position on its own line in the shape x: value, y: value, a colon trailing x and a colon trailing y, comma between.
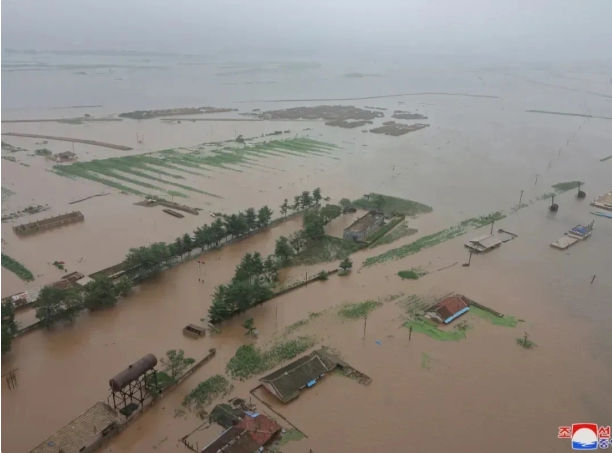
x: 219, y: 309
x: 345, y: 203
x: 250, y: 328
x: 316, y: 195
x: 217, y: 231
x: 9, y: 326
x: 264, y: 216
x: 124, y: 286
x: 283, y: 250
x: 297, y: 240
x: 346, y: 264
x: 178, y: 247
x: 306, y: 199
x: 314, y: 226
x: 284, y: 208
x: 297, y: 203
x: 379, y: 201
x: 202, y: 237
x: 330, y: 212
x: 250, y: 218
x: 148, y: 260
x: 187, y: 243
x: 175, y: 363
x: 270, y: 269
x: 7, y: 338
x: 100, y: 293
x: 55, y: 304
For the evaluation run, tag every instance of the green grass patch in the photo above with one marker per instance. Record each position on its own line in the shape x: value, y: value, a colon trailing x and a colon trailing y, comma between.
x: 6, y: 193
x: 526, y: 343
x: 401, y: 231
x: 412, y: 274
x: 250, y: 360
x: 506, y: 321
x: 431, y: 330
x: 425, y: 359
x: 433, y: 239
x: 565, y: 186
x: 358, y: 310
x: 392, y: 204
x: 206, y: 391
x: 327, y: 249
x: 295, y: 326
x: 291, y: 435
x: 17, y: 268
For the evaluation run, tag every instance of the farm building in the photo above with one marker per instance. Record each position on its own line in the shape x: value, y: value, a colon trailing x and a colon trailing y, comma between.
x: 85, y: 433
x: 286, y: 382
x: 364, y: 226
x: 448, y: 309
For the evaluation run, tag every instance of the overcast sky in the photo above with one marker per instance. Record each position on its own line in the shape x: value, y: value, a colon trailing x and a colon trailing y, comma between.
x: 547, y: 29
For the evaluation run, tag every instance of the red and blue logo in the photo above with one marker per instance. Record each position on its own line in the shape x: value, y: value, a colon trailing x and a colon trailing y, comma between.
x: 586, y: 436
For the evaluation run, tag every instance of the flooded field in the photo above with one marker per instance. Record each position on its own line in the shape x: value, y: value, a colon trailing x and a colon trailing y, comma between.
x: 479, y: 155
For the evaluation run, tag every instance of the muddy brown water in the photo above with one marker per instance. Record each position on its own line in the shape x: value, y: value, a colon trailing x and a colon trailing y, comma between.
x: 482, y: 389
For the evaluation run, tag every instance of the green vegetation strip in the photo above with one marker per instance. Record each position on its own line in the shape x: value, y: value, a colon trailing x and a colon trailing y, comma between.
x: 151, y: 166
x: 392, y: 204
x: 250, y: 360
x: 565, y: 186
x: 358, y: 310
x: 429, y: 329
x: 7, y: 193
x: 207, y: 391
x: 384, y: 230
x: 402, y: 230
x: 433, y: 239
x: 412, y: 274
x: 17, y: 268
x: 506, y: 321
x: 291, y: 435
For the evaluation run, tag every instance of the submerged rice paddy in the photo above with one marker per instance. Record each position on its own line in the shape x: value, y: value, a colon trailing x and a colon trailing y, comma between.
x: 151, y: 174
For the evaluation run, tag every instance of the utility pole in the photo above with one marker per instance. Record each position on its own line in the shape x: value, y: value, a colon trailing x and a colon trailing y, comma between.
x: 277, y: 316
x: 365, y: 323
x: 492, y: 223
x: 536, y: 181
x: 410, y: 333
x: 521, y: 199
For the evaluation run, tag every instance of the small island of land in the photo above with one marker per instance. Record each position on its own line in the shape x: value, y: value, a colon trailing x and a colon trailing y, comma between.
x: 397, y: 129
x: 321, y: 112
x: 148, y: 114
x: 401, y: 115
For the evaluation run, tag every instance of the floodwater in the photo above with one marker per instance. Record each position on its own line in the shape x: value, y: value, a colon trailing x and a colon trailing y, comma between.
x: 477, y: 157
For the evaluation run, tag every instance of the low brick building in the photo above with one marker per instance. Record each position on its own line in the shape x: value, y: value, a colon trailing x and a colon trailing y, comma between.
x: 364, y: 226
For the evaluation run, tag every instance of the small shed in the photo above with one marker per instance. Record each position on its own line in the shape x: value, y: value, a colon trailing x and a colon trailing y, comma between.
x: 286, y: 382
x: 226, y: 415
x: 194, y: 331
x: 66, y: 156
x: 484, y: 243
x: 233, y: 440
x: 448, y: 309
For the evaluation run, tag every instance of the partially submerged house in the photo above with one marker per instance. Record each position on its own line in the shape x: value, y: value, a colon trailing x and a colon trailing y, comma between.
x: 66, y: 156
x: 484, y: 243
x: 448, y: 309
x: 287, y: 382
x: 364, y: 226
x: 249, y: 435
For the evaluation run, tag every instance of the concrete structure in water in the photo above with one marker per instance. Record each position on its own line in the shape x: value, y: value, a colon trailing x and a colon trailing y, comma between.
x: 51, y: 222
x: 484, y: 243
x: 85, y: 433
x: 364, y: 226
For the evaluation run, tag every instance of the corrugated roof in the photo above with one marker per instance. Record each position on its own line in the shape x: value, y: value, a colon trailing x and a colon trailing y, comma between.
x: 487, y: 241
x: 450, y: 305
x: 261, y: 428
x: 234, y: 440
x: 288, y: 380
x: 81, y: 431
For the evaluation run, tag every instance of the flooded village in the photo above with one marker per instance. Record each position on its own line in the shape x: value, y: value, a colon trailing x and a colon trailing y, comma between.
x: 245, y: 272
